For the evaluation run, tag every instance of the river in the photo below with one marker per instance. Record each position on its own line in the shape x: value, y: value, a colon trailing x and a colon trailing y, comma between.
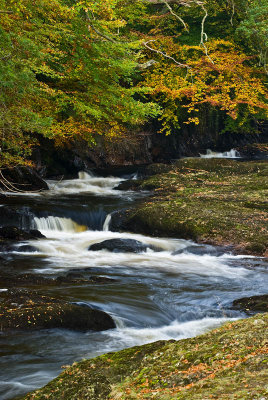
x: 178, y: 292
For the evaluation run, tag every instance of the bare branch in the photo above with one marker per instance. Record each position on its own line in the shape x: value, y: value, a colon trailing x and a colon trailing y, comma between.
x: 106, y: 37
x: 6, y: 12
x: 164, y: 54
x: 204, y: 36
x: 175, y: 15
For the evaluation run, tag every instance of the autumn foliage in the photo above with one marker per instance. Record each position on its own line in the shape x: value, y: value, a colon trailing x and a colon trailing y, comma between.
x: 74, y: 70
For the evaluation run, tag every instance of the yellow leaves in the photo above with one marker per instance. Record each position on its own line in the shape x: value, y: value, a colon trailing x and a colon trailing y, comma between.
x: 194, y: 120
x: 69, y: 130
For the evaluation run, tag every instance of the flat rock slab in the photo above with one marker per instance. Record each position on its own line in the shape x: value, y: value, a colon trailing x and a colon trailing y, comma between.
x: 29, y: 310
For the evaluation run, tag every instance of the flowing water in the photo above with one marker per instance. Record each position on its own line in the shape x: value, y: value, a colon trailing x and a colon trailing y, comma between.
x: 180, y: 290
x: 226, y: 154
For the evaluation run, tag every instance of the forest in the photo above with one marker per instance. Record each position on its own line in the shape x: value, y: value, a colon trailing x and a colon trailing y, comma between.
x: 72, y: 71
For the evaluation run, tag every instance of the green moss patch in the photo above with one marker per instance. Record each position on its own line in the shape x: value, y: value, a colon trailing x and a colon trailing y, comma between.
x: 227, y: 363
x: 208, y: 200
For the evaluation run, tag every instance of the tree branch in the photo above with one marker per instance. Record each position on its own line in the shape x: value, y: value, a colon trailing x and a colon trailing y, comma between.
x: 175, y: 15
x: 106, y: 37
x: 164, y: 54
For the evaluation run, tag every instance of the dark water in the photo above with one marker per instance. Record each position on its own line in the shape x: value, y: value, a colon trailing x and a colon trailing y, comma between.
x: 154, y: 295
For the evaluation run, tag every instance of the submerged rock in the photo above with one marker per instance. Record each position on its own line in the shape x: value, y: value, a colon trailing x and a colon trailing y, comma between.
x: 120, y: 246
x: 28, y: 310
x: 12, y: 280
x: 252, y: 304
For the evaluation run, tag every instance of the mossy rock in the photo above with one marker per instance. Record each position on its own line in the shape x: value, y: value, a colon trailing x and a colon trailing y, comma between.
x: 252, y: 304
x: 26, y: 310
x: 214, y: 201
x: 227, y: 363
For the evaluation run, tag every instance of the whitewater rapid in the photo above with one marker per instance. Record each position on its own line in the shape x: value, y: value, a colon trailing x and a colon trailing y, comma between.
x: 179, y: 290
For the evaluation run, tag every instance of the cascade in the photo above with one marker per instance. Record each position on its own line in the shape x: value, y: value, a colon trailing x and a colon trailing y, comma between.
x: 227, y: 154
x: 57, y: 224
x: 106, y: 224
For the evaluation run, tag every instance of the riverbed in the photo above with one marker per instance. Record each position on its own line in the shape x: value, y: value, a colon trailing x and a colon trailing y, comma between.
x: 180, y: 290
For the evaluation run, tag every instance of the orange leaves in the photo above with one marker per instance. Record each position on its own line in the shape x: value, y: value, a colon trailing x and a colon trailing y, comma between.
x: 227, y: 82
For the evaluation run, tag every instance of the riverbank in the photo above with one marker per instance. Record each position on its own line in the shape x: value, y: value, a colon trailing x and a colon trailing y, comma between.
x: 227, y: 363
x: 214, y: 201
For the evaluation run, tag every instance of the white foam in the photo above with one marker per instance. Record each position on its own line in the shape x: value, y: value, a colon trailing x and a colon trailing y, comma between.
x: 85, y: 183
x: 129, y: 337
x: 73, y: 249
x: 227, y: 154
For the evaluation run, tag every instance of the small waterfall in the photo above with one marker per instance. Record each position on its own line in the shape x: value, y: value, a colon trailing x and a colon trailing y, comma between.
x: 106, y: 224
x: 58, y: 224
x: 86, y: 183
x: 227, y: 154
x: 85, y: 175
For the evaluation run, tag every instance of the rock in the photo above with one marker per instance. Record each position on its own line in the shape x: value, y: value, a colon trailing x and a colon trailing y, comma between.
x: 26, y: 248
x: 14, y: 216
x: 101, y: 279
x: 254, y: 151
x: 120, y: 246
x: 71, y: 278
x: 203, y: 367
x: 202, y: 250
x: 22, y: 179
x: 27, y: 310
x: 252, y: 304
x: 118, y: 220
x: 15, y: 280
x: 17, y: 234
x: 129, y: 185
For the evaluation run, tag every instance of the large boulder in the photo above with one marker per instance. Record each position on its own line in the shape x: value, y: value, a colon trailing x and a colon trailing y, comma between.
x: 120, y: 246
x: 27, y: 310
x: 21, y: 179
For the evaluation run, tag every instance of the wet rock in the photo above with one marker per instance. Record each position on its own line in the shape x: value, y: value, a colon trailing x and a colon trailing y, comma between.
x: 129, y: 185
x: 120, y: 246
x: 118, y: 220
x: 17, y: 234
x: 101, y: 279
x: 202, y: 250
x: 28, y: 310
x: 14, y: 280
x: 252, y: 304
x: 71, y: 278
x: 26, y: 248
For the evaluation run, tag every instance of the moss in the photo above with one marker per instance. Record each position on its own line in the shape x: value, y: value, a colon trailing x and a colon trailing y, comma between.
x: 227, y: 363
x: 208, y: 200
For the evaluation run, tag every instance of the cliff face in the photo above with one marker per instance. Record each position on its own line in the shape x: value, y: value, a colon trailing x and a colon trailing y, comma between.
x: 227, y: 363
x: 141, y: 147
